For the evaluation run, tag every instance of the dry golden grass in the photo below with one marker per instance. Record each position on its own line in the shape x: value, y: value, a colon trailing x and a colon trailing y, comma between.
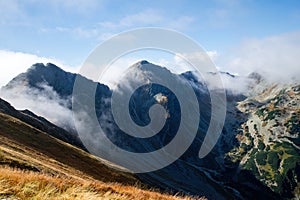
x: 25, y: 147
x: 34, y: 165
x: 32, y: 185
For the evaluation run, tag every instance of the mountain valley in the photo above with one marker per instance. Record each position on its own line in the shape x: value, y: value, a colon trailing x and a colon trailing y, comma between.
x: 256, y: 156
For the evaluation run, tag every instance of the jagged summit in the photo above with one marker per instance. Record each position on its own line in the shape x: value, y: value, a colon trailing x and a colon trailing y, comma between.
x: 49, y: 74
x: 145, y: 66
x: 37, y: 66
x: 143, y: 62
x: 43, y: 69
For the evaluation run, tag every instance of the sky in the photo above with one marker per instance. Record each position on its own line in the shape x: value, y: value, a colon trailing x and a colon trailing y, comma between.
x: 240, y: 35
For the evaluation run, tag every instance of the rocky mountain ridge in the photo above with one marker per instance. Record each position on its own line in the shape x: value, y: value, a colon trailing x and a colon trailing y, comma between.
x: 235, y: 168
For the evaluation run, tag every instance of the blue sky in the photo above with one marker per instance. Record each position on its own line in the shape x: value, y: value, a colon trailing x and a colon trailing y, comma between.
x: 67, y: 31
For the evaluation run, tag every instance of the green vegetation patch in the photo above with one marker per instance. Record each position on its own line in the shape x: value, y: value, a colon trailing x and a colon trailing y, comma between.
x: 260, y: 112
x: 261, y: 158
x: 273, y: 160
x: 272, y: 114
x: 293, y: 124
x: 261, y: 145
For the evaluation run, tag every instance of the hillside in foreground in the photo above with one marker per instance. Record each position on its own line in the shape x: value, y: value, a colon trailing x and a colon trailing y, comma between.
x: 35, y: 165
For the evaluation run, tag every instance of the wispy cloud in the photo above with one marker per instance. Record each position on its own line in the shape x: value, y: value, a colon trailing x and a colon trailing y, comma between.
x: 39, y: 101
x: 13, y: 63
x: 143, y: 18
x: 78, y: 7
x: 79, y: 31
x: 276, y: 57
x: 105, y: 29
x: 81, y: 6
x: 16, y: 12
x: 149, y: 17
x: 181, y: 23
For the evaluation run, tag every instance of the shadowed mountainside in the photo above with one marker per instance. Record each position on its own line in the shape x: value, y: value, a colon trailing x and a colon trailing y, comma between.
x: 233, y: 169
x: 33, y: 164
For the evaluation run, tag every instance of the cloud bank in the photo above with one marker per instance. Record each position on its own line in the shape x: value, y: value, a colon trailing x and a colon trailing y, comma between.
x: 276, y: 58
x: 44, y: 102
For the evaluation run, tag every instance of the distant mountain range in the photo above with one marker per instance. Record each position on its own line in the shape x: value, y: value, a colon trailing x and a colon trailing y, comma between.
x: 257, y: 155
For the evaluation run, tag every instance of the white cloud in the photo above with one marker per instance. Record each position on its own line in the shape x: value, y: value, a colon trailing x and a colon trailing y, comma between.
x: 105, y: 29
x: 18, y: 12
x: 117, y: 69
x: 236, y: 85
x: 78, y: 4
x: 174, y: 63
x: 80, y: 31
x: 148, y: 17
x: 203, y: 58
x: 143, y: 18
x: 277, y: 57
x: 39, y: 102
x: 13, y: 63
x: 83, y: 7
x: 181, y: 23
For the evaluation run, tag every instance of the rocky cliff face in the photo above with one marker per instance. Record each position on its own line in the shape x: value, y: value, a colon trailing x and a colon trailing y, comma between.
x: 269, y: 140
x: 257, y: 155
x: 47, y: 91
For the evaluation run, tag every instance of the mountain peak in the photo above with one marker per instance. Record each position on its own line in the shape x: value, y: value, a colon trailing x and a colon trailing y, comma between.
x: 143, y: 62
x: 144, y: 65
x: 51, y: 65
x: 42, y: 66
x: 49, y: 74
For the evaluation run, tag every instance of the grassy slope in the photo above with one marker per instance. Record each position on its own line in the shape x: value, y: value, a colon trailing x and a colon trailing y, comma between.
x: 17, y: 184
x: 36, y: 165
